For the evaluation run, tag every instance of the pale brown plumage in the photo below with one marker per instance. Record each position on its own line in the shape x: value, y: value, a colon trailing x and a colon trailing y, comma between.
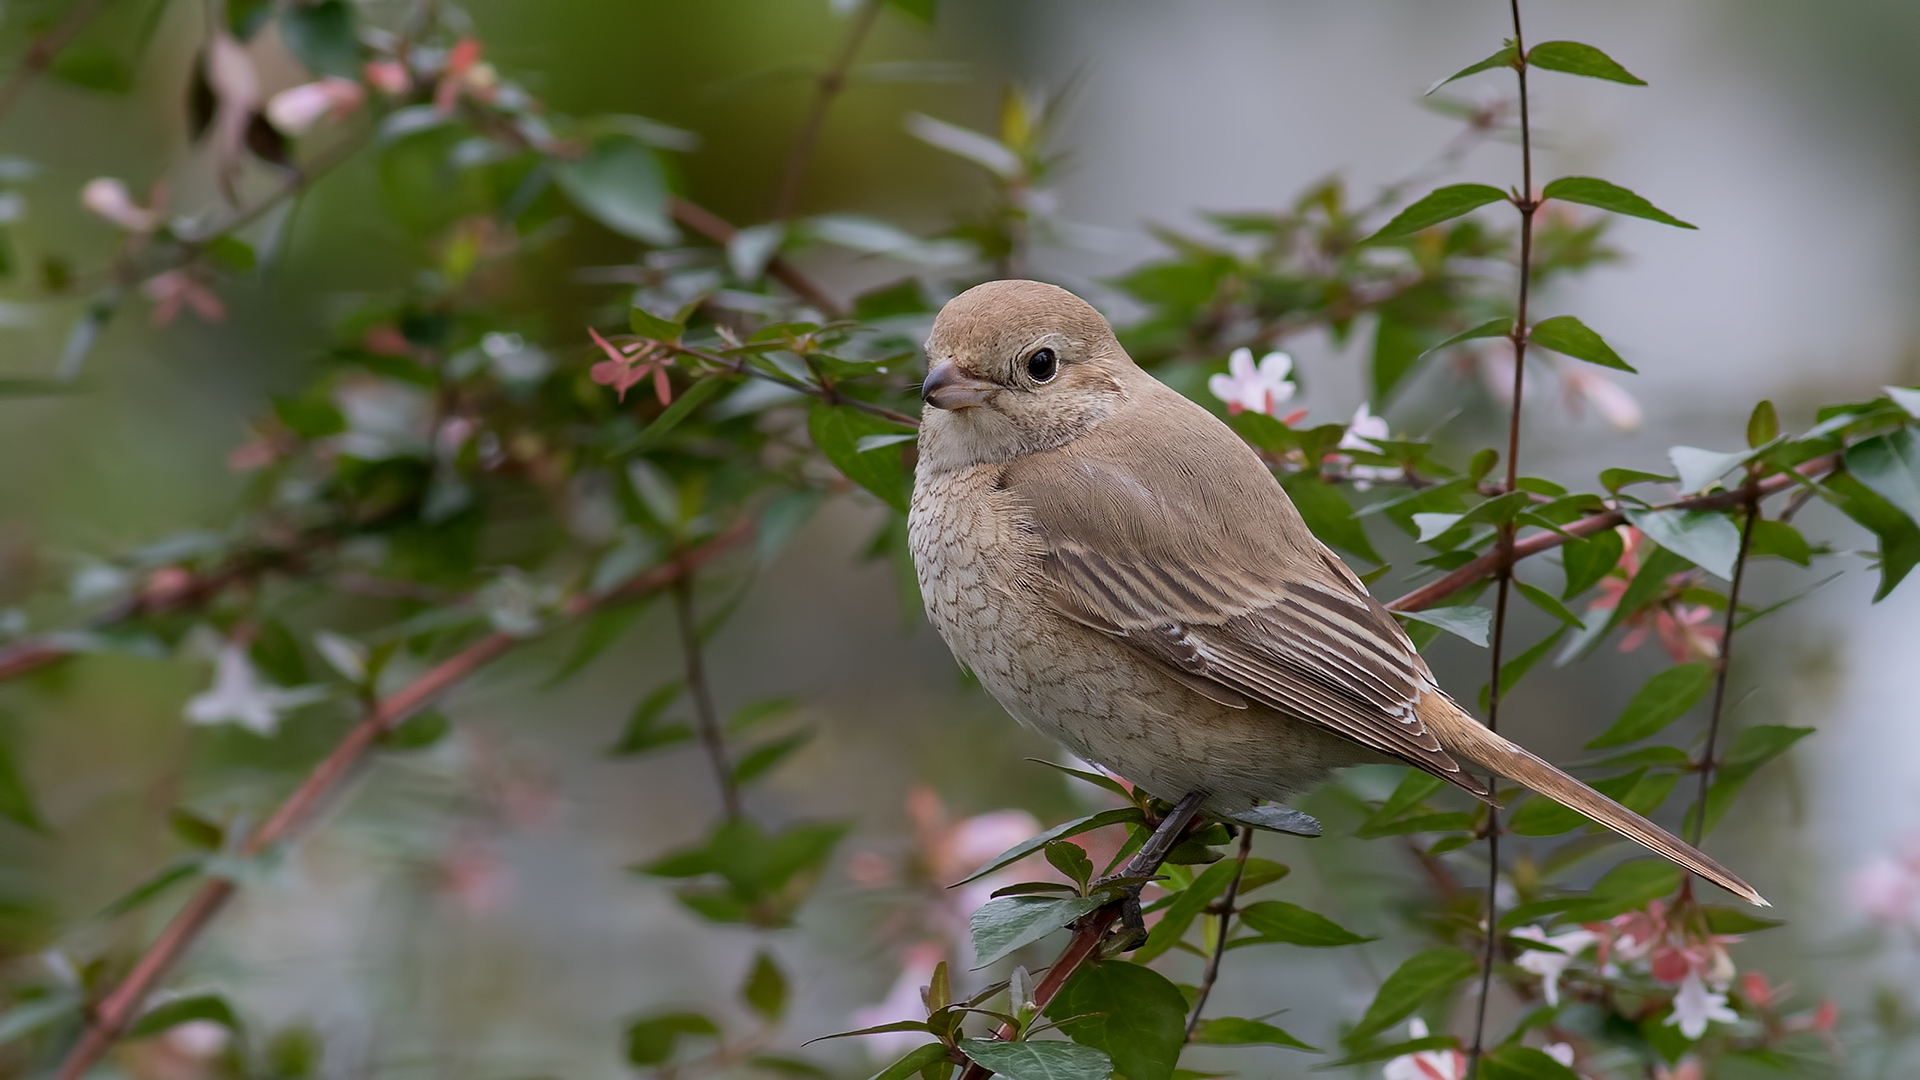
x: 1123, y: 574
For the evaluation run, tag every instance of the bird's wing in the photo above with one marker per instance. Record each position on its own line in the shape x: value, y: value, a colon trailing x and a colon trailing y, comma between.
x: 1168, y: 534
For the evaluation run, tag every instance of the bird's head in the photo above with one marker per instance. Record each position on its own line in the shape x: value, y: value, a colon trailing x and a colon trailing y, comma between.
x: 1014, y: 368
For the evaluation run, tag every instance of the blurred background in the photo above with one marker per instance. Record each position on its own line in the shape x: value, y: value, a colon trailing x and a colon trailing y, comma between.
x: 468, y: 911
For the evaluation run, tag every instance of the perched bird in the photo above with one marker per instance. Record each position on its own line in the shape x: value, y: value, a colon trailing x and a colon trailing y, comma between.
x: 1124, y: 575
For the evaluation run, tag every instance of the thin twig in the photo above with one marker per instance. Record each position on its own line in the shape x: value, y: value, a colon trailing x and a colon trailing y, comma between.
x: 1504, y: 549
x: 720, y: 231
x: 832, y: 82
x: 711, y: 738
x: 1226, y: 924
x: 111, y: 1015
x: 41, y: 53
x: 1724, y: 662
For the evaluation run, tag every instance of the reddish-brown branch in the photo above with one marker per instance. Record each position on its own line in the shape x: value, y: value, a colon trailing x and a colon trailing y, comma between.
x: 721, y: 231
x: 111, y: 1015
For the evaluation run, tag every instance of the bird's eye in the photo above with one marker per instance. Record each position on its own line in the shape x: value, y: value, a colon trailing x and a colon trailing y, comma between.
x: 1042, y: 365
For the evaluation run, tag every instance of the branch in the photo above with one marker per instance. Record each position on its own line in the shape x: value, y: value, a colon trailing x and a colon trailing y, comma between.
x: 41, y: 53
x: 1439, y: 589
x: 111, y: 1015
x: 1724, y: 662
x: 721, y: 231
x: 702, y: 694
x: 1226, y: 924
x: 832, y: 82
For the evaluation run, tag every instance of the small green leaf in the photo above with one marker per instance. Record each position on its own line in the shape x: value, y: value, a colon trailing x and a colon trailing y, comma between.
x: 1781, y: 540
x: 1587, y: 561
x: 1763, y: 425
x: 1069, y: 858
x: 1048, y: 1060
x: 1706, y: 538
x: 1443, y: 205
x: 1492, y: 328
x: 644, y: 732
x: 1625, y: 887
x: 1905, y: 397
x: 1187, y: 904
x: 1899, y: 535
x: 1574, y: 58
x: 1732, y: 920
x: 1003, y: 925
x: 181, y: 1010
x: 1889, y: 465
x: 620, y: 183
x: 1277, y: 920
x: 1423, y: 976
x: 1566, y: 334
x: 765, y: 990
x: 670, y: 418
x: 1235, y: 1031
x: 655, y: 327
x: 1615, y: 479
x: 1665, y: 698
x: 16, y: 800
x: 761, y: 759
x: 1132, y: 1013
x: 1414, y: 789
x: 1516, y: 669
x: 322, y: 37
x: 1698, y: 468
x: 877, y: 1029
x: 1546, y: 602
x: 1125, y: 815
x: 1594, y: 192
x: 1515, y: 1062
x: 1467, y: 621
x: 837, y: 431
x: 416, y: 732
x: 914, y: 1061
x: 919, y: 10
x: 1504, y: 58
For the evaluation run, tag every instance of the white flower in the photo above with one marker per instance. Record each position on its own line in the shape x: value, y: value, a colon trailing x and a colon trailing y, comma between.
x: 1550, y: 965
x: 1585, y: 387
x: 1425, y: 1064
x: 198, y: 1039
x: 110, y: 199
x: 1694, y: 1007
x: 298, y: 108
x: 240, y: 696
x: 1560, y: 1052
x: 1367, y: 426
x: 1256, y: 389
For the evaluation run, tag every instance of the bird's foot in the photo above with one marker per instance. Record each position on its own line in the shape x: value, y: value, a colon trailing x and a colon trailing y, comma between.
x: 1144, y: 864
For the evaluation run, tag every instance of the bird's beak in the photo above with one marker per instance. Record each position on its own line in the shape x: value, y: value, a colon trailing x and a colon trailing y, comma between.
x: 946, y: 388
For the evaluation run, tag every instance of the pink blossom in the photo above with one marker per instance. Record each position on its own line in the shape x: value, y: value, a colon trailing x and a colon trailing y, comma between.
x: 1246, y: 387
x: 298, y: 108
x: 1584, y: 387
x: 389, y: 76
x: 1887, y: 890
x: 1425, y: 1064
x: 174, y: 288
x: 466, y: 74
x: 109, y: 198
x: 1686, y: 1069
x: 624, y: 367
x: 1682, y: 628
x: 472, y: 875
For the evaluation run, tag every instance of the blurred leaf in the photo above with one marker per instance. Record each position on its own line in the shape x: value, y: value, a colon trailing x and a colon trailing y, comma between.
x: 643, y: 732
x: 1329, y: 515
x: 646, y: 324
x: 1492, y: 328
x: 1705, y: 537
x: 1443, y: 205
x: 1516, y: 669
x: 1752, y: 748
x: 16, y: 800
x: 1665, y: 698
x: 782, y: 1065
x: 1589, y: 191
x: 1279, y: 921
x: 1907, y: 398
x: 1423, y: 976
x: 1466, y: 621
x: 1626, y: 887
x: 1394, y: 1050
x: 598, y: 632
x: 1397, y: 348
x: 651, y: 1041
x: 765, y: 990
x: 173, y: 874
x: 904, y: 297
x: 1568, y: 335
x: 1133, y: 1013
x: 322, y: 37
x: 983, y: 150
x: 34, y: 1014
x: 1236, y: 1031
x: 764, y: 757
x: 1504, y: 58
x: 690, y: 399
x: 1127, y: 815
x: 1889, y: 465
x: 1733, y: 920
x: 1187, y: 904
x: 416, y: 732
x: 1414, y: 789
x: 195, y: 830
x: 921, y: 10
x: 753, y: 247
x: 1512, y: 1061
x: 1037, y: 1060
x: 211, y: 1007
x: 1546, y: 602
x: 837, y: 432
x: 1899, y: 536
x: 1003, y: 925
x: 755, y: 713
x: 1779, y: 539
x: 1576, y: 59
x: 620, y: 183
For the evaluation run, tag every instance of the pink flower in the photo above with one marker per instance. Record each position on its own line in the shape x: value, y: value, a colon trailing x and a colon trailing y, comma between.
x: 473, y: 877
x: 464, y: 74
x: 109, y: 198
x: 390, y: 77
x: 298, y: 108
x: 174, y: 288
x: 1886, y: 890
x: 1425, y: 1064
x: 624, y: 367
x: 1258, y: 389
x: 1682, y: 628
x: 1686, y: 1069
x: 1584, y: 387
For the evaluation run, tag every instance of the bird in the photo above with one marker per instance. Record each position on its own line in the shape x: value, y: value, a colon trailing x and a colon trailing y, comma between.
x: 1124, y: 575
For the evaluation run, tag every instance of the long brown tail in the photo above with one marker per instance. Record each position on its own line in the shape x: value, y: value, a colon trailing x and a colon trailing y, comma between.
x: 1464, y: 735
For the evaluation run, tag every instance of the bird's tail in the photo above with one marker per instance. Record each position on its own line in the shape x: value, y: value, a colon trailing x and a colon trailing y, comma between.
x: 1464, y: 735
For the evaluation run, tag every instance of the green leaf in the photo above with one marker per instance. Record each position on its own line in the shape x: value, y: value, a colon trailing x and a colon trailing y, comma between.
x: 16, y: 800
x: 1665, y: 698
x: 1516, y: 669
x: 1699, y: 468
x: 1099, y: 780
x: 1781, y: 540
x: 1492, y: 328
x: 1907, y: 399
x: 1235, y: 1031
x: 765, y: 990
x: 1590, y: 191
x: 181, y: 1010
x: 1038, y: 1060
x: 1291, y: 924
x: 1889, y: 465
x: 1187, y: 904
x: 1722, y: 919
x: 620, y: 183
x: 1125, y: 815
x: 1443, y: 205
x: 1414, y: 789
x: 1423, y: 976
x: 322, y: 37
x: 919, y: 10
x: 1625, y: 887
x: 837, y: 431
x: 671, y: 417
x: 1465, y: 620
x: 915, y: 1060
x: 1003, y: 925
x: 416, y: 732
x: 644, y: 732
x: 1615, y: 479
x: 1069, y: 859
x: 651, y: 1041
x: 1394, y: 1050
x: 1568, y: 335
x: 1397, y: 347
x: 1899, y: 535
x: 877, y: 1029
x: 1546, y: 602
x: 1577, y: 59
x: 1706, y: 538
x: 1132, y: 1013
x: 764, y: 757
x: 1763, y: 425
x: 36, y: 1013
x: 1329, y: 515
x: 1515, y: 1062
x: 1504, y: 58
x: 1587, y: 561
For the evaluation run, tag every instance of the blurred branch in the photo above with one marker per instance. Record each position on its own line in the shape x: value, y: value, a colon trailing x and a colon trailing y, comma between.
x: 1226, y: 924
x: 111, y: 1015
x: 41, y: 53
x: 1435, y: 591
x: 832, y: 82
x: 702, y: 695
x: 720, y: 231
